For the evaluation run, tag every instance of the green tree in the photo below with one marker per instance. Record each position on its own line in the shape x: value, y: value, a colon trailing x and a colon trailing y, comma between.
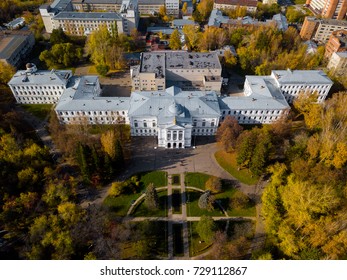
x: 151, y: 198
x: 175, y: 40
x: 239, y: 201
x: 205, y: 228
x: 58, y: 36
x: 65, y: 54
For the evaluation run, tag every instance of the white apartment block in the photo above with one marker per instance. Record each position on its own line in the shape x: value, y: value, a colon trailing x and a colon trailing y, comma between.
x: 338, y: 63
x: 250, y: 5
x: 172, y: 7
x: 83, y: 23
x: 189, y: 71
x: 292, y: 83
x: 326, y: 27
x: 39, y: 87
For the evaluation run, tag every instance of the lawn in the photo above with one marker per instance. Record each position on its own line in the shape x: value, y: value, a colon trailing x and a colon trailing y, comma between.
x: 158, y: 178
x: 176, y: 180
x: 119, y: 205
x: 196, y: 247
x: 228, y: 162
x: 193, y: 209
x: 142, y: 211
x: 40, y: 111
x: 196, y: 179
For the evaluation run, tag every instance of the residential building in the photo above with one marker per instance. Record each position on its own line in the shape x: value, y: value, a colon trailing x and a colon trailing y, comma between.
x: 16, y: 23
x: 39, y: 87
x: 250, y: 5
x: 320, y: 29
x: 270, y: 2
x: 293, y: 82
x: 334, y: 9
x: 337, y: 43
x: 83, y: 23
x: 338, y: 63
x: 15, y: 45
x: 189, y: 71
x: 172, y: 7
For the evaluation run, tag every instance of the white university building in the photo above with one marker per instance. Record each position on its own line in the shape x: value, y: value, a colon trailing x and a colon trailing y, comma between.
x: 172, y: 115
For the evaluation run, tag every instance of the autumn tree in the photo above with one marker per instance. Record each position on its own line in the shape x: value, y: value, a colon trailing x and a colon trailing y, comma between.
x: 239, y: 200
x: 228, y: 133
x: 214, y: 184
x: 184, y: 7
x: 205, y: 8
x: 151, y: 198
x: 175, y: 40
x: 6, y: 72
x: 192, y: 36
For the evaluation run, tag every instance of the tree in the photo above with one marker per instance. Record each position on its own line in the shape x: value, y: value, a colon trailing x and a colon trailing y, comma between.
x: 108, y: 142
x: 206, y: 201
x: 184, y: 7
x: 228, y: 133
x: 58, y: 36
x: 245, y: 147
x: 6, y: 72
x: 119, y: 156
x: 239, y: 200
x: 151, y: 198
x: 192, y: 36
x: 214, y: 184
x: 205, y: 8
x: 230, y: 60
x: 175, y: 40
x: 65, y: 54
x: 205, y: 229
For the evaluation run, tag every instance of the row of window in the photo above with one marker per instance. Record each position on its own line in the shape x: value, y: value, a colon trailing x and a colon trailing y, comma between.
x: 203, y: 123
x: 53, y: 99
x: 103, y: 120
x: 172, y: 135
x: 100, y: 113
x: 146, y: 131
x: 37, y: 87
x: 145, y: 124
x: 37, y: 92
x: 252, y: 112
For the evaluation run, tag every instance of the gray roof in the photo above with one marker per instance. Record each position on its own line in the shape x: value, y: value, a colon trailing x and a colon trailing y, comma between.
x: 164, y: 30
x: 265, y: 95
x: 281, y: 21
x: 60, y: 5
x: 301, y: 76
x: 88, y: 16
x: 342, y: 54
x: 180, y: 22
x: 14, y: 22
x: 173, y: 103
x: 83, y: 95
x: 102, y: 2
x: 151, y: 2
x: 9, y: 44
x: 153, y: 62
x: 217, y: 18
x: 191, y: 60
x: 54, y: 77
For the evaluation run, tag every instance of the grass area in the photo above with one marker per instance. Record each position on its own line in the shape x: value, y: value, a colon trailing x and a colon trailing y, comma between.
x: 196, y: 247
x: 142, y: 210
x: 196, y: 179
x: 154, y: 238
x: 40, y: 111
x: 176, y: 179
x: 119, y: 205
x: 228, y: 162
x: 297, y: 2
x: 193, y: 209
x: 158, y: 178
x: 177, y: 230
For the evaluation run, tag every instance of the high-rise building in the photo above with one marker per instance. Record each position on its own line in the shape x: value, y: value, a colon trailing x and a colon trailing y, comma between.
x: 335, y: 9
